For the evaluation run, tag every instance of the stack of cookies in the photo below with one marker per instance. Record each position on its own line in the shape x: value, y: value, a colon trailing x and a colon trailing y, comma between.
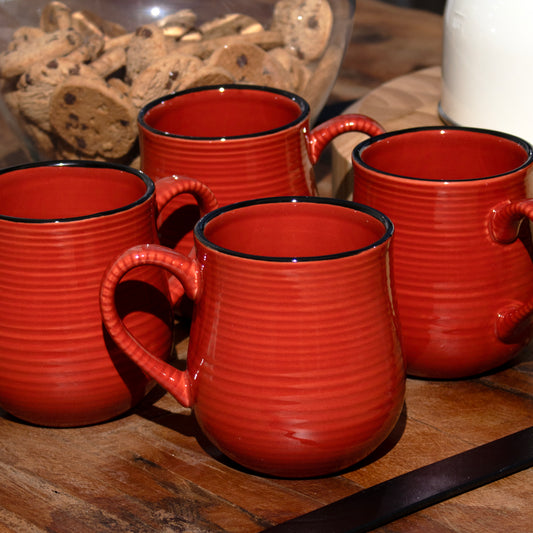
x: 76, y: 82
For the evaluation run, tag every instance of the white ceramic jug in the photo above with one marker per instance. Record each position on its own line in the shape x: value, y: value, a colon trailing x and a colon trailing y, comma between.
x: 487, y: 65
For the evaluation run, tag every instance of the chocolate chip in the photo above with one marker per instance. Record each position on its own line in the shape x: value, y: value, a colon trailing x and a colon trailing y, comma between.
x: 80, y: 141
x: 242, y: 61
x: 52, y: 64
x: 69, y: 98
x: 312, y: 23
x: 71, y: 39
x: 74, y: 71
x: 145, y: 33
x: 124, y: 123
x: 73, y: 116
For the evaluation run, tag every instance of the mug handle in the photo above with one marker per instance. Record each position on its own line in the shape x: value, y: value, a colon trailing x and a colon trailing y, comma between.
x: 168, y: 188
x: 324, y: 133
x: 187, y: 272
x: 504, y: 225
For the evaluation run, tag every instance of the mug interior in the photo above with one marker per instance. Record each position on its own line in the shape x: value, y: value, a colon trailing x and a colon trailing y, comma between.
x: 294, y: 229
x: 445, y: 154
x: 69, y: 191
x: 223, y: 112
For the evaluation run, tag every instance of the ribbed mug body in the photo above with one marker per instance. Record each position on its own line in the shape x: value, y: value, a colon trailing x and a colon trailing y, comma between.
x: 451, y: 278
x: 297, y: 367
x: 57, y: 365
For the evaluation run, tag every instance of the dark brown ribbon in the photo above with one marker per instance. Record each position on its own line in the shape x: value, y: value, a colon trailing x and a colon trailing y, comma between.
x: 378, y: 505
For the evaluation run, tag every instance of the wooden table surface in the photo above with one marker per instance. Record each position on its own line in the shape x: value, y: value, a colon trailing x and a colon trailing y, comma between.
x: 153, y: 471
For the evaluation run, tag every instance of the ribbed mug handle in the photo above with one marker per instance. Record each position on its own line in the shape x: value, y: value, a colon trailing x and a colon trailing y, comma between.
x: 187, y: 271
x: 168, y: 188
x: 504, y: 226
x: 324, y: 133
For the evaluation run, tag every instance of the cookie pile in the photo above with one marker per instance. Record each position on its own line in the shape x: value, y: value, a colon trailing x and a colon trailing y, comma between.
x: 77, y: 82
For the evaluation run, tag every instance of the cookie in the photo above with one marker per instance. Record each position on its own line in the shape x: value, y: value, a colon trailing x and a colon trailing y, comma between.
x: 52, y: 72
x: 297, y: 69
x: 178, y: 24
x: 229, y: 25
x: 121, y: 86
x: 36, y: 86
x: 66, y: 151
x: 89, y: 50
x: 93, y: 117
x: 204, y: 48
x: 206, y: 76
x: 121, y: 41
x: 55, y: 16
x: 42, y: 140
x: 248, y: 63
x: 81, y: 23
x: 162, y: 77
x: 48, y: 46
x: 108, y: 28
x: 191, y: 36
x: 23, y: 36
x: 305, y: 25
x: 147, y: 45
x: 109, y: 61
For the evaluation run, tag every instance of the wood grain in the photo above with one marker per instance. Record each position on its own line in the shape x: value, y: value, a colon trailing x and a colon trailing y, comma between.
x: 387, y: 41
x: 153, y: 470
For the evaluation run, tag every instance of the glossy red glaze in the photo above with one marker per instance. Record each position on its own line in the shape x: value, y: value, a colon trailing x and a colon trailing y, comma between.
x: 294, y: 367
x: 61, y: 224
x: 243, y: 142
x: 463, y: 281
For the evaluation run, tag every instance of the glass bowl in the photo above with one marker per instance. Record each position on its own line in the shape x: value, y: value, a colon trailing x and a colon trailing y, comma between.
x: 119, y: 55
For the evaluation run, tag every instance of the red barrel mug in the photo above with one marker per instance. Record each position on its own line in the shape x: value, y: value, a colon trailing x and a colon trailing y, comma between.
x: 294, y: 367
x: 61, y: 223
x: 461, y: 259
x: 242, y: 141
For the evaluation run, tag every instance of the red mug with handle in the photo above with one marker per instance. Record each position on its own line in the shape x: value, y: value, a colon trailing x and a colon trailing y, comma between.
x: 461, y: 258
x: 61, y: 223
x: 293, y: 366
x: 242, y: 141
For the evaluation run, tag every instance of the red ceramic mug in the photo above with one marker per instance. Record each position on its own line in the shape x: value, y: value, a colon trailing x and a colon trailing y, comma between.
x: 61, y: 223
x: 242, y: 141
x: 293, y: 367
x: 462, y: 269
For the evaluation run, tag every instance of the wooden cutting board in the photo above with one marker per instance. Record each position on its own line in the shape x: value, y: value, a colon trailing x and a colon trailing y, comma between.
x: 404, y: 102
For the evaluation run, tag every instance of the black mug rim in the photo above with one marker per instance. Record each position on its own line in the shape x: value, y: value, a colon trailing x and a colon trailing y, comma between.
x: 358, y: 150
x: 302, y: 103
x: 388, y: 227
x: 150, y: 188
